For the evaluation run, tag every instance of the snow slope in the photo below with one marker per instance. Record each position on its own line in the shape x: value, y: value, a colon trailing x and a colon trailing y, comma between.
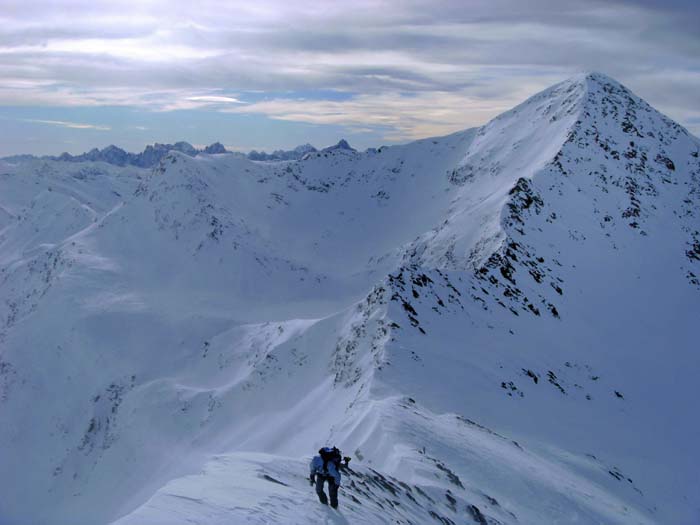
x: 498, y: 325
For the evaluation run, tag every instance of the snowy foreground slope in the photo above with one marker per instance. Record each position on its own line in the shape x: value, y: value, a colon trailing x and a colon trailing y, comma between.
x: 500, y: 326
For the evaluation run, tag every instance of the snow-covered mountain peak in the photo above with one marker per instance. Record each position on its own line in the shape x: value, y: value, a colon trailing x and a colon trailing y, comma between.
x: 591, y: 79
x: 592, y: 96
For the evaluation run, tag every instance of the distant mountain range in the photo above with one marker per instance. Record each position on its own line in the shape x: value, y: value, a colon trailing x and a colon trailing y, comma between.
x: 152, y: 155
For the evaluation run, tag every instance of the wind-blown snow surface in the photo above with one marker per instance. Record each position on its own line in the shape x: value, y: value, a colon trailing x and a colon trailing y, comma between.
x: 498, y: 325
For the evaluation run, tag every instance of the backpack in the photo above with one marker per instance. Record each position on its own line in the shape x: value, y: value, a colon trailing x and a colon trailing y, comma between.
x: 330, y: 454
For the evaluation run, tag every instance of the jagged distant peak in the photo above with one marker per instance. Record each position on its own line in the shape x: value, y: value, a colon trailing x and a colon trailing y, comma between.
x: 185, y: 147
x: 277, y: 155
x: 215, y: 148
x: 111, y: 148
x: 341, y: 145
x: 305, y: 148
x: 149, y: 157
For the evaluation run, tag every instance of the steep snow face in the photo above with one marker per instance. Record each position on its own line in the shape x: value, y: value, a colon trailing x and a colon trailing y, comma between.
x: 513, y: 146
x: 582, y: 334
x: 485, y: 321
x: 583, y: 331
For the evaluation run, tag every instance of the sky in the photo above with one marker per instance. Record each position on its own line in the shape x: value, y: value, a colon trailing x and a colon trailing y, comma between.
x: 78, y: 74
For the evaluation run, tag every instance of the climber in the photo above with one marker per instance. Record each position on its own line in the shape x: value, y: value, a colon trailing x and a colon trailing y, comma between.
x: 326, y: 467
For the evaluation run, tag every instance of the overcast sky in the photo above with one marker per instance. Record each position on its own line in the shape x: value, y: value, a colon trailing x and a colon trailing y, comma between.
x: 75, y: 74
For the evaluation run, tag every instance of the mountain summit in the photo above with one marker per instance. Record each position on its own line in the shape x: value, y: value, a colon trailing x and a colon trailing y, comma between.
x: 498, y: 325
x: 342, y: 144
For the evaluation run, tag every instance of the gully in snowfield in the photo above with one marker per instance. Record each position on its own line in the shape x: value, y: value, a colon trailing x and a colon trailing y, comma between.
x: 326, y: 467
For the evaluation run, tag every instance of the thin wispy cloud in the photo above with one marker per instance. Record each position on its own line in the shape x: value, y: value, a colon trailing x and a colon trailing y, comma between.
x: 72, y: 125
x: 213, y: 102
x: 214, y: 99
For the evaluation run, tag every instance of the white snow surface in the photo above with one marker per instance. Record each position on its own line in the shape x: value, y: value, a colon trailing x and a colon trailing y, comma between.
x: 499, y: 326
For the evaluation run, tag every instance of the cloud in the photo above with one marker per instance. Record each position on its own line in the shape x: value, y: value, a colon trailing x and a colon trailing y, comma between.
x: 400, y: 117
x: 407, y: 67
x: 214, y: 99
x: 72, y: 125
x: 197, y: 102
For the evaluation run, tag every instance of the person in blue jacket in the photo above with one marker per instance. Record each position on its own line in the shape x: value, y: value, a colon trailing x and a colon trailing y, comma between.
x: 326, y: 468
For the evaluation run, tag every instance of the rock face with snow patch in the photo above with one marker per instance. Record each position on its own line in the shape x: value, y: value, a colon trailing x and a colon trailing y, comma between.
x: 484, y: 321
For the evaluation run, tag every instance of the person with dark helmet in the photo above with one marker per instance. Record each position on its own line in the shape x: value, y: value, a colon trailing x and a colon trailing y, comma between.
x: 326, y: 468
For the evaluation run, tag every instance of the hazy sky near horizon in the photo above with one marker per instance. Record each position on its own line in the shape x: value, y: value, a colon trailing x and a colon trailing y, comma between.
x: 77, y: 74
